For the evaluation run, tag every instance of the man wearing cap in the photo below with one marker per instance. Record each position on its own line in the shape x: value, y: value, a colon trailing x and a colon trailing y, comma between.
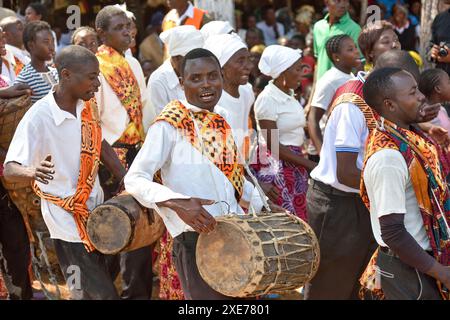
x: 164, y: 84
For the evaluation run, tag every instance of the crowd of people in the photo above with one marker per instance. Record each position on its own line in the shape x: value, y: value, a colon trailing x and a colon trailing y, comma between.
x: 339, y: 124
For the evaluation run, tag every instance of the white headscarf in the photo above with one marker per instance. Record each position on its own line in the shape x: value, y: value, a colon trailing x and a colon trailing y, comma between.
x: 224, y: 46
x: 276, y: 59
x: 216, y: 27
x: 180, y: 40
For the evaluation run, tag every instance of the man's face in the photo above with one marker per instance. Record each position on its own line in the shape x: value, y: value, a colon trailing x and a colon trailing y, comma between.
x: 14, y: 34
x: 44, y: 46
x: 133, y: 33
x: 118, y: 35
x: 237, y: 69
x: 251, y: 22
x: 87, y: 39
x: 337, y: 8
x: 270, y: 17
x: 84, y: 82
x: 406, y: 100
x: 252, y: 39
x: 202, y: 82
x: 31, y: 15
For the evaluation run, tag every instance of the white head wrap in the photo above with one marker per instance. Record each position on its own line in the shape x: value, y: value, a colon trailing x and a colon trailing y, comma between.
x: 276, y: 59
x: 216, y: 27
x: 180, y: 40
x: 224, y: 46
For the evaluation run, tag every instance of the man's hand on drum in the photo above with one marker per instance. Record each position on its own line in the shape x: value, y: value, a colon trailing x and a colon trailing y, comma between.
x: 44, y: 172
x: 191, y: 211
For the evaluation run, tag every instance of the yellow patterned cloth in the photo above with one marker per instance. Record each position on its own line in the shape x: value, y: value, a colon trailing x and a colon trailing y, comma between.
x: 117, y: 72
x: 218, y: 143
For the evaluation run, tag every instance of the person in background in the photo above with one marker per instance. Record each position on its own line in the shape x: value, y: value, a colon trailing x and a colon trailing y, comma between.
x: 86, y: 37
x: 255, y: 56
x: 388, y: 6
x: 284, y: 173
x: 37, y: 12
x: 408, y: 33
x: 253, y: 37
x: 272, y: 30
x: 183, y: 12
x: 440, y: 38
x: 343, y: 52
x: 148, y: 67
x: 16, y: 54
x: 337, y: 21
x: 152, y: 48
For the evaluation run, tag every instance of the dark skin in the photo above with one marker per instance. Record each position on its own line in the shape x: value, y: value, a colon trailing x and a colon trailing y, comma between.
x: 337, y: 9
x: 347, y: 171
x: 236, y: 72
x: 117, y: 35
x: 269, y: 17
x: 402, y: 106
x: 32, y: 15
x: 179, y: 5
x: 388, y: 41
x: 13, y: 31
x: 79, y: 83
x: 289, y: 79
x: 344, y: 60
x: 42, y: 49
x: 87, y: 39
x: 202, y: 83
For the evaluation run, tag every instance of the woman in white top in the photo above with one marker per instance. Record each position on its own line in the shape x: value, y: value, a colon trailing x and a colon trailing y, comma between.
x: 282, y: 167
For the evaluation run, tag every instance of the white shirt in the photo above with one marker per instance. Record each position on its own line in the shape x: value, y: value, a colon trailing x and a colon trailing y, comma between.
x: 275, y: 105
x: 20, y: 54
x: 269, y: 32
x: 390, y: 190
x: 114, y: 116
x: 46, y: 129
x: 8, y: 63
x: 346, y: 131
x: 186, y: 173
x: 164, y: 86
x: 172, y: 15
x: 326, y: 87
x: 323, y: 95
x: 236, y: 111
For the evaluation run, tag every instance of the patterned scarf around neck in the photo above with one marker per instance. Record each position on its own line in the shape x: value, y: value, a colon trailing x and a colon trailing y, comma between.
x: 430, y: 187
x: 218, y: 143
x: 117, y: 72
x: 91, y: 143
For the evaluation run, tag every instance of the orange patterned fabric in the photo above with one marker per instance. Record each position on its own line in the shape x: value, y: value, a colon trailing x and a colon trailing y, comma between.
x: 117, y: 72
x: 218, y: 143
x: 91, y: 144
x: 18, y: 66
x: 429, y: 184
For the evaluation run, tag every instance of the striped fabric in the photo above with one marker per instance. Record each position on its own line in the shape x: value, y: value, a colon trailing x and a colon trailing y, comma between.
x: 40, y: 83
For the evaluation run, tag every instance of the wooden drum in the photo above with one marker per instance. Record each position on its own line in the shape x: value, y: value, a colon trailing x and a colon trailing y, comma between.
x: 248, y: 256
x: 120, y: 224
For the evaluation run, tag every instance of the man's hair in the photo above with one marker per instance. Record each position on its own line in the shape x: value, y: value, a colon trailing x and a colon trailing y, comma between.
x: 103, y: 18
x: 398, y: 59
x: 197, y: 54
x: 73, y: 57
x: 31, y: 29
x: 333, y: 44
x: 379, y: 86
x: 39, y: 9
x: 370, y: 34
x: 6, y: 22
x: 80, y: 29
x: 429, y: 79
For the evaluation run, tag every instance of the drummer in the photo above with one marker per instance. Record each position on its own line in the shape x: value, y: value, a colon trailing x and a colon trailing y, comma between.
x: 197, y: 186
x: 47, y: 151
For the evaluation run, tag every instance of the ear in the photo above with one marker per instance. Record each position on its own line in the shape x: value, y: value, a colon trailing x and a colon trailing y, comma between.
x: 101, y: 34
x: 181, y: 79
x: 438, y: 89
x: 335, y: 57
x: 388, y: 105
x: 66, y: 74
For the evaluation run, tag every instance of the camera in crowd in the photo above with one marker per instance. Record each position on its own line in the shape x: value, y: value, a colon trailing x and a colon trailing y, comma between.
x: 442, y: 51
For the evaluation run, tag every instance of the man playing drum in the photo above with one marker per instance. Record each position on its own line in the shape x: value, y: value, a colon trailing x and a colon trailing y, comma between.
x: 48, y: 152
x: 196, y: 153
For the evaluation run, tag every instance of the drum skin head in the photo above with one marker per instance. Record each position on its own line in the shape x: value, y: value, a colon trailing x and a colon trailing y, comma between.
x: 220, y: 268
x: 109, y: 229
